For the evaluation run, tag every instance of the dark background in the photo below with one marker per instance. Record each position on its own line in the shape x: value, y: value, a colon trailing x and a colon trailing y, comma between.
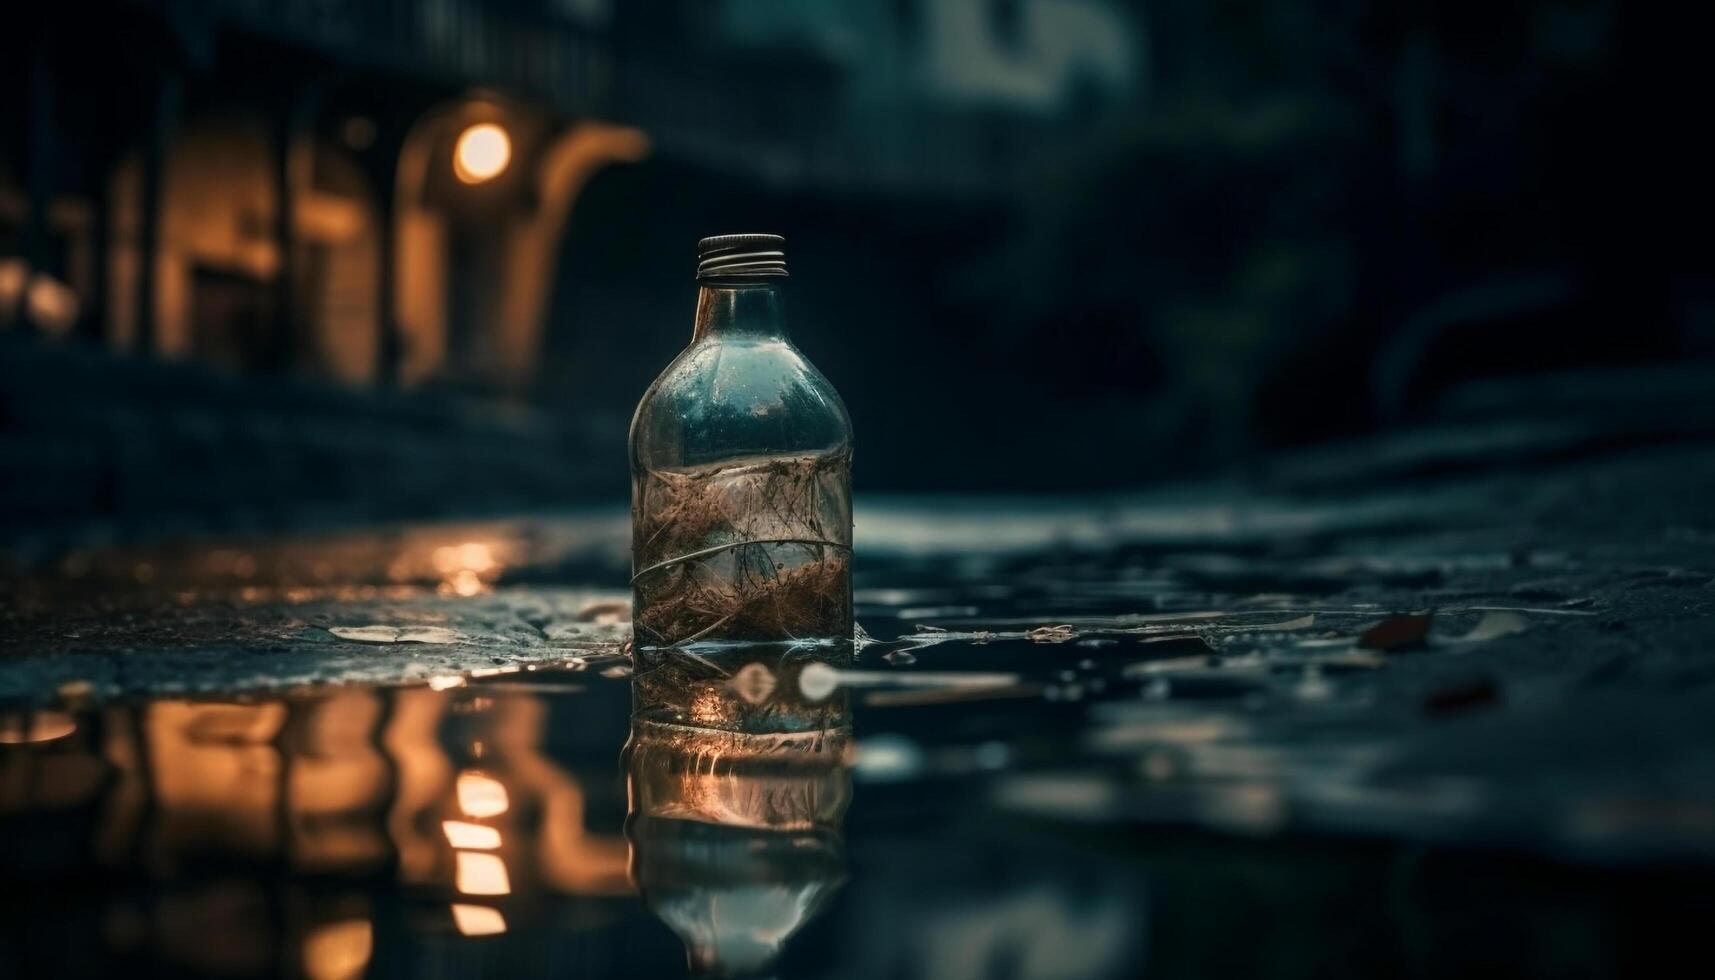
x: 1044, y: 247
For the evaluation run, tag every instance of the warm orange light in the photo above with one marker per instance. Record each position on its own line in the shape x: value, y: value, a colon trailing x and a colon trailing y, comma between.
x: 461, y: 567
x: 478, y: 920
x: 482, y: 874
x: 445, y: 559
x: 338, y: 950
x: 39, y: 726
x: 14, y: 279
x: 464, y: 582
x: 470, y: 835
x: 482, y: 152
x: 52, y: 304
x: 481, y: 796
x: 476, y: 556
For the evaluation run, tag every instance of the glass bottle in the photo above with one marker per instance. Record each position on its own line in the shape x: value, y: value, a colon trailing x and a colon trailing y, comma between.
x: 741, y: 509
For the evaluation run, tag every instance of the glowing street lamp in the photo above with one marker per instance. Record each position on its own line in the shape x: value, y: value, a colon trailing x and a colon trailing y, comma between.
x: 481, y: 153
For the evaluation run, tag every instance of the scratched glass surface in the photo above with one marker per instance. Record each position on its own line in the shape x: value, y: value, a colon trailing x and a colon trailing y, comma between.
x: 1159, y: 736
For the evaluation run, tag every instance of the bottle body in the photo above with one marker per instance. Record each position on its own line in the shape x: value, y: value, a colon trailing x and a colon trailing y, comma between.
x: 741, y: 520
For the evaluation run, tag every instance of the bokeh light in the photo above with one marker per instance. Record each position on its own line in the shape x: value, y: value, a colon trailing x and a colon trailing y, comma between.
x: 482, y: 153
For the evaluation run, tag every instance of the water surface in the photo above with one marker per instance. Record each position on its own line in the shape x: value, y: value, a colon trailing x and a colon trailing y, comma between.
x: 1447, y: 733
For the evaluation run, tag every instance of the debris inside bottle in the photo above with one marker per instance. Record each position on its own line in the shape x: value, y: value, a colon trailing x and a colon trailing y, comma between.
x: 755, y: 549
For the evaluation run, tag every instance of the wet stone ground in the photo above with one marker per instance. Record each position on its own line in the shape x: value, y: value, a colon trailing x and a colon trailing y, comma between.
x: 1343, y: 720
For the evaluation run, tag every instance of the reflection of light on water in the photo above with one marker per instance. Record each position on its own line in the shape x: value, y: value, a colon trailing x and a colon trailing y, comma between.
x: 338, y: 950
x: 335, y: 771
x: 216, y: 774
x: 470, y: 835
x: 818, y: 680
x: 442, y: 682
x: 478, y: 920
x: 884, y: 757
x: 495, y: 671
x: 481, y: 796
x: 477, y: 873
x: 37, y: 726
x: 482, y: 874
x: 329, y: 785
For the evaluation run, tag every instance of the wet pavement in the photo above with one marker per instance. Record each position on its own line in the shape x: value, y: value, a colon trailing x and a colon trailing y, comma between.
x: 1335, y: 721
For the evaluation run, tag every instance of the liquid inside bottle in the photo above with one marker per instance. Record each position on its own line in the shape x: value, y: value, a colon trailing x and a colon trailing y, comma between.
x: 741, y: 512
x: 746, y: 550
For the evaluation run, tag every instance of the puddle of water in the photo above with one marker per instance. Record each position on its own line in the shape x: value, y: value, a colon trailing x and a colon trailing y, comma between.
x: 502, y: 827
x: 407, y: 754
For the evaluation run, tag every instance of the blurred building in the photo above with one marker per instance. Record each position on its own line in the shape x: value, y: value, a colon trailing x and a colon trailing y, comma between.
x: 1037, y: 244
x: 279, y: 187
x: 247, y: 214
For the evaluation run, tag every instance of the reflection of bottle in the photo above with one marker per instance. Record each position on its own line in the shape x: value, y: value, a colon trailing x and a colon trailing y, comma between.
x: 733, y: 848
x: 741, y: 472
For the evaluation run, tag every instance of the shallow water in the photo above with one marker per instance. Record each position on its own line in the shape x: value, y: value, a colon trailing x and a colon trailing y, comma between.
x: 483, y: 831
x: 1443, y: 735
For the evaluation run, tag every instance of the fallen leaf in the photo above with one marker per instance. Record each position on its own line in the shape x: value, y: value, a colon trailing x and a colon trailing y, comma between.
x: 395, y: 634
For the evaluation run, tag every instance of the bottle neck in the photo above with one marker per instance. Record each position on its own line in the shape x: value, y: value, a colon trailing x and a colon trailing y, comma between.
x: 751, y: 310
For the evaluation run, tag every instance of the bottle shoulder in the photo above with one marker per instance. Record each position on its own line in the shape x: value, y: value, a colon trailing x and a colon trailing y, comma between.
x: 728, y: 397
